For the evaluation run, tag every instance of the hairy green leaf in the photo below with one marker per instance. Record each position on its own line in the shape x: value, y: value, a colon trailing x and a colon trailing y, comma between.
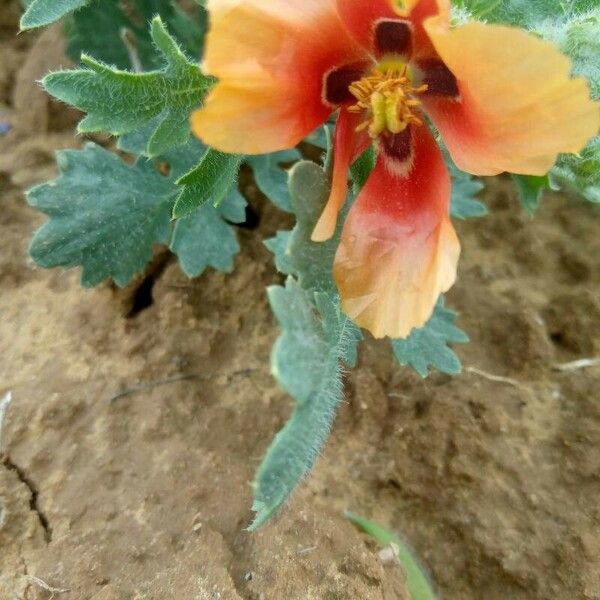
x: 44, y: 12
x: 524, y: 13
x: 465, y: 187
x: 203, y: 239
x: 271, y: 179
x: 310, y: 262
x: 306, y: 362
x: 580, y: 174
x: 104, y: 215
x: 211, y: 179
x: 418, y: 583
x: 530, y: 190
x: 120, y: 102
x: 428, y: 347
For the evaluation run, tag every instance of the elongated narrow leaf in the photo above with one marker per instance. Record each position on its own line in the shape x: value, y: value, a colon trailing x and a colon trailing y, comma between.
x: 120, y: 102
x: 428, y: 347
x: 306, y: 362
x: 44, y: 12
x: 210, y: 180
x: 418, y: 584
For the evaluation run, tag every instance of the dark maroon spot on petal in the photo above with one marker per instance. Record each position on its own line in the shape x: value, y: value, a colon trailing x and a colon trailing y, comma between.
x: 339, y: 80
x: 393, y: 36
x: 398, y: 146
x: 439, y: 79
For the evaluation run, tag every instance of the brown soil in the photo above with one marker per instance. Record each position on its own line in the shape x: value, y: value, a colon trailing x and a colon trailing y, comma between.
x: 493, y: 482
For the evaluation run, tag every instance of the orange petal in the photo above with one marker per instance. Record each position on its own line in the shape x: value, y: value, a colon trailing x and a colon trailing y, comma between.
x: 398, y: 250
x: 518, y: 106
x: 347, y: 147
x: 270, y: 57
x: 418, y: 11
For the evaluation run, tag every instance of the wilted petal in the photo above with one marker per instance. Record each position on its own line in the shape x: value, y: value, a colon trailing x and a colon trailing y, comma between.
x: 399, y: 251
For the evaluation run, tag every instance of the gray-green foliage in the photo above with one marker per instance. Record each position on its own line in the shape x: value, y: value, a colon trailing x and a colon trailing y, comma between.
x: 306, y: 359
x: 524, y: 13
x: 106, y: 215
x: 99, y: 28
x: 530, y: 189
x: 211, y: 179
x: 203, y: 239
x: 317, y: 338
x: 120, y: 102
x: 427, y: 347
x: 44, y: 12
x: 270, y: 178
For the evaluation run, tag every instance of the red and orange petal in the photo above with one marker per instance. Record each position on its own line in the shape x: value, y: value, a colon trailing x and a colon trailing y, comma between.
x: 361, y: 19
x: 270, y: 57
x: 518, y: 106
x: 348, y: 145
x: 398, y: 250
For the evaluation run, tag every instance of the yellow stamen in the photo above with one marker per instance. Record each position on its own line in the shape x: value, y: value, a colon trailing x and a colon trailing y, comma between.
x: 387, y: 96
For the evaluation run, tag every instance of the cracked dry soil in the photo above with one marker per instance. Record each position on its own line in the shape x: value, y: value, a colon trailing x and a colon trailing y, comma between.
x: 133, y: 435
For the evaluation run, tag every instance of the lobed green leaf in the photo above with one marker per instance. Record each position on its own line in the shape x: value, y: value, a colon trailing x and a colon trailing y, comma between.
x: 428, y: 347
x: 120, y: 102
x: 271, y: 179
x: 106, y: 215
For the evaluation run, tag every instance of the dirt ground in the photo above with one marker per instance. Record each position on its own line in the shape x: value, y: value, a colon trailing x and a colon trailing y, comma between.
x: 491, y: 477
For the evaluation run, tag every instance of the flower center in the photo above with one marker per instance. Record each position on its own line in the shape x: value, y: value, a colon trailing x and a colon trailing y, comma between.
x: 387, y: 96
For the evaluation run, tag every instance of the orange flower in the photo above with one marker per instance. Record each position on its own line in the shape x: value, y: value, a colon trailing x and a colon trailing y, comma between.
x: 501, y: 99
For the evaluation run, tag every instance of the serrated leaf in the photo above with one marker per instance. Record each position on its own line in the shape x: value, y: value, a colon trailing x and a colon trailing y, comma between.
x: 530, y: 190
x: 306, y: 362
x: 465, y: 187
x: 271, y: 179
x: 203, y: 239
x: 310, y: 262
x: 211, y: 179
x: 418, y: 584
x: 104, y: 215
x: 44, y: 12
x: 580, y: 174
x: 120, y: 102
x: 524, y: 13
x: 428, y: 347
